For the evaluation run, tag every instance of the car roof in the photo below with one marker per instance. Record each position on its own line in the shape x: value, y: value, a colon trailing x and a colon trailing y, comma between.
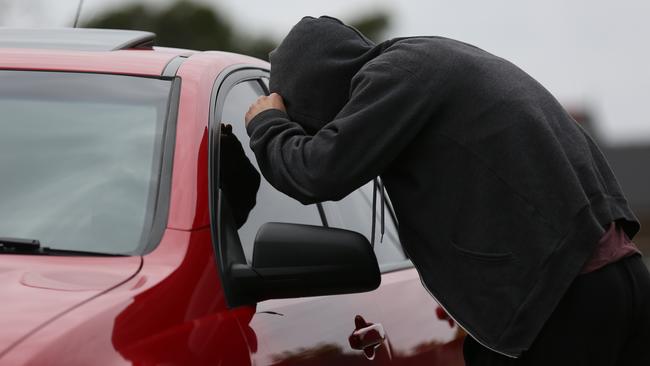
x: 80, y: 39
x: 98, y: 50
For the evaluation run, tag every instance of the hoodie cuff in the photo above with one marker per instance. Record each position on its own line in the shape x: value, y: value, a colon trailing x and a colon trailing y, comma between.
x: 263, y: 118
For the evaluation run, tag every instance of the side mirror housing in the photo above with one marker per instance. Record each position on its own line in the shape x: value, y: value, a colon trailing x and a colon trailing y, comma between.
x: 294, y: 260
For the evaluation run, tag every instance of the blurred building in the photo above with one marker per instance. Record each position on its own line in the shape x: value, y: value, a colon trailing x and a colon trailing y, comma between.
x: 631, y: 164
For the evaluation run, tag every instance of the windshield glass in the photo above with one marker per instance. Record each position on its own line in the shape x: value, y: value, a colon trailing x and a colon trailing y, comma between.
x: 80, y: 158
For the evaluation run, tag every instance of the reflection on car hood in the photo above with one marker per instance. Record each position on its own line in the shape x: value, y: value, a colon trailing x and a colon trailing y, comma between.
x: 37, y: 289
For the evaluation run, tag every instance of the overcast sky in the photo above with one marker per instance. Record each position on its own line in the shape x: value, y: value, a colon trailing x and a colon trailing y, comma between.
x: 591, y: 54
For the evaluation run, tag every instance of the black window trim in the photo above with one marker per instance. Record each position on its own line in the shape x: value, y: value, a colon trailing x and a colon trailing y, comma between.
x: 228, y: 251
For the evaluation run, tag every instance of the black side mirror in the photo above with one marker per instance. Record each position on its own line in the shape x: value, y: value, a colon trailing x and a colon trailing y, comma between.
x: 293, y: 260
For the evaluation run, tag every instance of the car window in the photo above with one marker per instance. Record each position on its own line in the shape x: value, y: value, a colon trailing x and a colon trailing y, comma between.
x: 354, y: 212
x: 80, y: 156
x: 271, y: 205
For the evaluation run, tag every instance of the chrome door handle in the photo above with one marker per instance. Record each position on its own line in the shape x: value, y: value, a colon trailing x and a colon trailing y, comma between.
x: 366, y: 336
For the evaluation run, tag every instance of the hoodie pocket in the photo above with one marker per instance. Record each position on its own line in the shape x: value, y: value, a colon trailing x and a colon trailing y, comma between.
x: 482, y: 256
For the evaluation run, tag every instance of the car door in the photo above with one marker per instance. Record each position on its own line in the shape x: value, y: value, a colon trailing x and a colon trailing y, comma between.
x: 351, y: 329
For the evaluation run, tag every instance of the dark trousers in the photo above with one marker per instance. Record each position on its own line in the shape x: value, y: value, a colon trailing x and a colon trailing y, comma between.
x: 603, y: 319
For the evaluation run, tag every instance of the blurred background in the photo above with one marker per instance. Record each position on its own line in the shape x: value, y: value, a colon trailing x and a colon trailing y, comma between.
x: 592, y: 55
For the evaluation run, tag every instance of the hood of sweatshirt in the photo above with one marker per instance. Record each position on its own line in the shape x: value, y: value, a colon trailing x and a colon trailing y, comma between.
x: 313, y: 66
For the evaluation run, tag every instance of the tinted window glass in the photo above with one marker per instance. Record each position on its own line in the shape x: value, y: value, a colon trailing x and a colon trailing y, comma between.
x: 354, y: 212
x: 271, y: 205
x: 80, y: 158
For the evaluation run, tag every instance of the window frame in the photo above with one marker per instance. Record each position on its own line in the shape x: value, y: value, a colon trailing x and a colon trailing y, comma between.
x: 227, y: 249
x: 225, y: 241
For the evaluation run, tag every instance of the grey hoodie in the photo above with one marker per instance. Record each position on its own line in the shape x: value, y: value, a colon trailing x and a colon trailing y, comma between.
x: 500, y: 195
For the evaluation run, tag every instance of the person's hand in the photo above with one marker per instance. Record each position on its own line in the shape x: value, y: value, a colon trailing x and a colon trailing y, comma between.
x: 271, y: 101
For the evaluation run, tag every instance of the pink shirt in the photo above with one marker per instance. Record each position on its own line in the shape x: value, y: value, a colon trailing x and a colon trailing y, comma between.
x: 613, y: 245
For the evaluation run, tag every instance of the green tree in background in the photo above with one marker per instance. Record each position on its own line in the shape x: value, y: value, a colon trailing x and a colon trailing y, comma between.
x: 373, y: 26
x: 186, y: 24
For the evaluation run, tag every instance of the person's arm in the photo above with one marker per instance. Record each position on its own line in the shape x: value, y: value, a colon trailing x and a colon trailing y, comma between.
x: 387, y: 108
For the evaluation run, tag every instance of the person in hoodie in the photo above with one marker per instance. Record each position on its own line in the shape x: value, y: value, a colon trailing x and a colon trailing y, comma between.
x: 506, y: 207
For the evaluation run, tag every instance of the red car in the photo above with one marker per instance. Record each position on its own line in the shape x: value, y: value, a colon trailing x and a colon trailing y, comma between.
x: 120, y: 243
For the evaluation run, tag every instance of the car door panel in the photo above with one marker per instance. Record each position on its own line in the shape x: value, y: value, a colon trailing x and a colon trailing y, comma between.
x: 316, y: 331
x: 417, y: 335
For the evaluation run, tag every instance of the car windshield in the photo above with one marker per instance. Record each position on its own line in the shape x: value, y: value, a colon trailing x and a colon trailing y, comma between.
x: 80, y: 158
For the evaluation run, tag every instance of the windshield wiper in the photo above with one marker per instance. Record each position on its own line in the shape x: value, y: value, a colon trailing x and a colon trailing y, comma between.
x: 33, y: 246
x: 19, y: 244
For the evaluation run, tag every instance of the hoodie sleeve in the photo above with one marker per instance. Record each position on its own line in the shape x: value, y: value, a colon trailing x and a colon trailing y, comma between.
x: 388, y: 106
